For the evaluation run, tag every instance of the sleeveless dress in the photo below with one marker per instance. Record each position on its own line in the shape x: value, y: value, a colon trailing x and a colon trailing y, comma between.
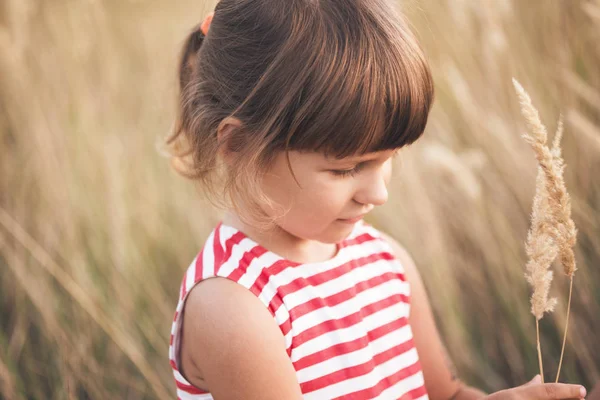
x: 345, y: 320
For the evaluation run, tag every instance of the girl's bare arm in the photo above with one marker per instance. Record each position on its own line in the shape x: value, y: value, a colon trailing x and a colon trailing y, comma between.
x: 233, y: 346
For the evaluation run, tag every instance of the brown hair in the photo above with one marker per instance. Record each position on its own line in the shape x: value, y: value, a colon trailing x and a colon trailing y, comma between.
x: 339, y: 77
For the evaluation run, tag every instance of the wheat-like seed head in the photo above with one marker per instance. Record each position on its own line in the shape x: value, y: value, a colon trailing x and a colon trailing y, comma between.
x: 541, y: 250
x: 552, y: 231
x: 567, y: 230
x: 540, y: 246
x: 551, y: 162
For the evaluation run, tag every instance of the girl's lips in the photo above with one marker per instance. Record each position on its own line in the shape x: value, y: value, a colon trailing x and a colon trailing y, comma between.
x: 352, y: 220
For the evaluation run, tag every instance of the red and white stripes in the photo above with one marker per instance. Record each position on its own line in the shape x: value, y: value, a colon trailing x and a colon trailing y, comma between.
x: 345, y: 320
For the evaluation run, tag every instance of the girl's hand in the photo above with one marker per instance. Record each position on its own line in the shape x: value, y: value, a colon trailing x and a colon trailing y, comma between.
x: 537, y: 390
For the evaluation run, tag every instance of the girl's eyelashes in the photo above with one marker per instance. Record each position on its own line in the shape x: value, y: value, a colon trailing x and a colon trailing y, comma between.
x: 357, y: 168
x: 347, y: 172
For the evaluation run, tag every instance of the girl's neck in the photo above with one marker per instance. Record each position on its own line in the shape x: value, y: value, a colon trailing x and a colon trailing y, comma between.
x: 284, y: 244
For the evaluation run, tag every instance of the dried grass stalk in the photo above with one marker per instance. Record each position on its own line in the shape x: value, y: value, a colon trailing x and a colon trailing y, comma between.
x: 553, y: 232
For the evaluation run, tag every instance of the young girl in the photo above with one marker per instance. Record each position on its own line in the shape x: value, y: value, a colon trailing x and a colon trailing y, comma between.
x: 290, y: 114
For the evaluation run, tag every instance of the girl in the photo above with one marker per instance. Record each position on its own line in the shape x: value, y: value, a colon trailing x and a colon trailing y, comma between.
x: 290, y: 114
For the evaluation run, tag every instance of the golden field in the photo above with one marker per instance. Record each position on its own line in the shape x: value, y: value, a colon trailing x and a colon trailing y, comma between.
x: 96, y: 229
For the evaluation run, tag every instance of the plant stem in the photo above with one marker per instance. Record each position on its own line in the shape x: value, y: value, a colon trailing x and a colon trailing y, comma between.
x: 539, y: 348
x: 562, y: 352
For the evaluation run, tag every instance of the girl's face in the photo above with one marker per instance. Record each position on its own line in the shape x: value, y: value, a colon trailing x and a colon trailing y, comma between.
x: 328, y: 192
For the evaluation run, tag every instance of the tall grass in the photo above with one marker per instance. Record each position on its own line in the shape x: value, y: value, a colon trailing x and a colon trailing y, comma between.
x: 95, y: 230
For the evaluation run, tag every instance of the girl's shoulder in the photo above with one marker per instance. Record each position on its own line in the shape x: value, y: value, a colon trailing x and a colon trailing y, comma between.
x: 229, y: 332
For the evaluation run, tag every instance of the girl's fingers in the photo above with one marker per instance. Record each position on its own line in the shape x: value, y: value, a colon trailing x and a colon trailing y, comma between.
x: 554, y: 391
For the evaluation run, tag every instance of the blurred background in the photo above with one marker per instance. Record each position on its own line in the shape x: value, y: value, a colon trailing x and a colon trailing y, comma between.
x: 96, y: 230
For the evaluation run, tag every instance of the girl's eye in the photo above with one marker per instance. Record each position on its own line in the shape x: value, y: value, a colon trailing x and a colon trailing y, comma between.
x: 346, y: 172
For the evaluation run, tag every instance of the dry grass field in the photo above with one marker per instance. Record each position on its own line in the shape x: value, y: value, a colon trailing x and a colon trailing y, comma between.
x: 96, y: 229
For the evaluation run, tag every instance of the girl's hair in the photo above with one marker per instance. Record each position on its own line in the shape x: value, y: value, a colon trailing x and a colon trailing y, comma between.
x: 341, y: 77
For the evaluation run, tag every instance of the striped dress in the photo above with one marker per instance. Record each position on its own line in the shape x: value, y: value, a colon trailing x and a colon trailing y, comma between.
x: 345, y: 320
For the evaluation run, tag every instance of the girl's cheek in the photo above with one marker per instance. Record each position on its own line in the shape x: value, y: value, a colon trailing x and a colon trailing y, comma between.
x: 331, y: 190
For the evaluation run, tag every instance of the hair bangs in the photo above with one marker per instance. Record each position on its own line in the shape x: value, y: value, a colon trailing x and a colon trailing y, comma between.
x: 367, y: 92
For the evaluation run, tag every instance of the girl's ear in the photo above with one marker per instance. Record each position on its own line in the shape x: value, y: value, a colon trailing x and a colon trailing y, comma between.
x: 225, y: 133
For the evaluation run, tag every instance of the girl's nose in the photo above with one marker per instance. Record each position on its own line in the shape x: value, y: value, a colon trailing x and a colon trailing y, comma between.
x: 373, y: 190
x: 378, y: 193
